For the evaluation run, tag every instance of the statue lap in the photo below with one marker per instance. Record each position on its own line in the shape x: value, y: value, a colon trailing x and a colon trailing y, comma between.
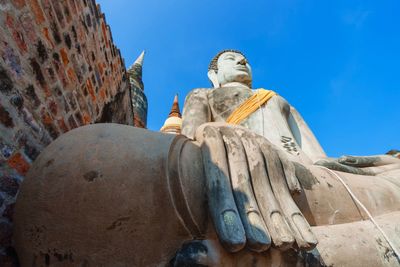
x: 114, y: 195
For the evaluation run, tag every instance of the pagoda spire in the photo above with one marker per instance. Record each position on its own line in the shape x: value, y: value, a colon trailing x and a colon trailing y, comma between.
x: 135, y: 71
x: 175, y: 111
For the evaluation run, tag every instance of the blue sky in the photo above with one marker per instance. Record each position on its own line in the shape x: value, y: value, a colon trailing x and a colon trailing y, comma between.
x: 337, y: 62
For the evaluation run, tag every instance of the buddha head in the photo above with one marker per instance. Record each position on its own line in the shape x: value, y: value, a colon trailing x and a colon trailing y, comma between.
x: 229, y: 66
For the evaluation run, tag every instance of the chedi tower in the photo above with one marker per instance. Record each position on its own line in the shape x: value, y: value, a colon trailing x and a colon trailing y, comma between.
x: 173, y: 123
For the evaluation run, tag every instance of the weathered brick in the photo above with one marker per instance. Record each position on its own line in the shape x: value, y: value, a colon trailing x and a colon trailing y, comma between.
x: 16, y: 33
x: 41, y: 51
x: 62, y: 125
x: 46, y: 34
x: 67, y: 12
x: 5, y: 118
x: 72, y: 76
x: 11, y: 58
x: 86, y: 118
x: 31, y: 94
x: 28, y: 26
x: 67, y: 40
x: 53, y: 107
x: 31, y: 152
x: 19, y: 3
x: 6, y: 150
x: 72, y: 123
x: 37, y: 71
x: 64, y: 56
x: 18, y: 162
x: 6, y: 84
x: 59, y: 13
x: 37, y: 11
x: 78, y: 117
x: 90, y: 89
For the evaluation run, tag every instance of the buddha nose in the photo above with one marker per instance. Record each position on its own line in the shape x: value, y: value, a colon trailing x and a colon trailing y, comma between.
x: 242, y: 61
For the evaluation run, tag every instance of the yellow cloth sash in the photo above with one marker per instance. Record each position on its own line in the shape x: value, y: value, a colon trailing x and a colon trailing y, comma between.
x: 250, y: 105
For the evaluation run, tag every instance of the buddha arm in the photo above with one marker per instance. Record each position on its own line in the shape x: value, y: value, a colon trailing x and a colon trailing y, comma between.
x: 196, y: 112
x: 304, y: 136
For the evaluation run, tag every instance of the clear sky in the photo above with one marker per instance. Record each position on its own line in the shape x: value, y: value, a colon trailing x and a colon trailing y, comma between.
x: 337, y: 62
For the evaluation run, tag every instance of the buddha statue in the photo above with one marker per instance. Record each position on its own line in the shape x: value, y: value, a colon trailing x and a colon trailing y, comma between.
x: 246, y: 184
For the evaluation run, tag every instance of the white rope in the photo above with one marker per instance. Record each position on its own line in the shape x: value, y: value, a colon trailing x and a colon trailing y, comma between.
x: 393, y: 247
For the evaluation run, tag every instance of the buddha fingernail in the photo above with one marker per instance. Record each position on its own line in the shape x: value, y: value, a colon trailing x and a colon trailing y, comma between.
x: 258, y: 231
x: 233, y: 228
x: 304, y: 229
x: 283, y: 233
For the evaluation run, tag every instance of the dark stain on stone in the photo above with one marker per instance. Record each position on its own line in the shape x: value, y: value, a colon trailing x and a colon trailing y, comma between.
x: 37, y: 71
x: 67, y: 40
x: 388, y: 251
x: 118, y: 223
x: 47, y: 259
x: 49, y: 162
x: 192, y: 253
x: 329, y: 185
x: 306, y: 178
x: 6, y: 84
x: 5, y: 118
x: 312, y: 258
x: 41, y: 51
x: 90, y: 176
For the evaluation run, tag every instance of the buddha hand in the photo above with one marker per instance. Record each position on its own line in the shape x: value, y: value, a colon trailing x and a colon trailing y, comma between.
x: 363, y: 165
x: 249, y: 184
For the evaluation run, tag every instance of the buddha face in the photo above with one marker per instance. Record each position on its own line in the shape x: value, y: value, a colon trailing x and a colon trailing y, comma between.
x: 233, y: 67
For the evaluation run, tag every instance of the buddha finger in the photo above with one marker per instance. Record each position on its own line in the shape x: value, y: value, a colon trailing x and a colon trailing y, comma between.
x: 257, y: 235
x: 334, y: 165
x: 290, y: 173
x: 383, y: 168
x: 367, y: 161
x: 221, y: 202
x: 305, y: 239
x: 280, y: 232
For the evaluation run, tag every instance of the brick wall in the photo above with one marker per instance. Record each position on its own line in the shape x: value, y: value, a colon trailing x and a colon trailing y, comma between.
x: 59, y: 69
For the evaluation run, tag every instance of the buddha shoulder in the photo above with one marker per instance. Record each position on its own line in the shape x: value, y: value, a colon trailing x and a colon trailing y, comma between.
x: 197, y: 95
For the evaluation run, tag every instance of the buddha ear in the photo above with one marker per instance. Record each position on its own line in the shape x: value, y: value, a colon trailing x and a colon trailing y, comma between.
x: 212, y: 75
